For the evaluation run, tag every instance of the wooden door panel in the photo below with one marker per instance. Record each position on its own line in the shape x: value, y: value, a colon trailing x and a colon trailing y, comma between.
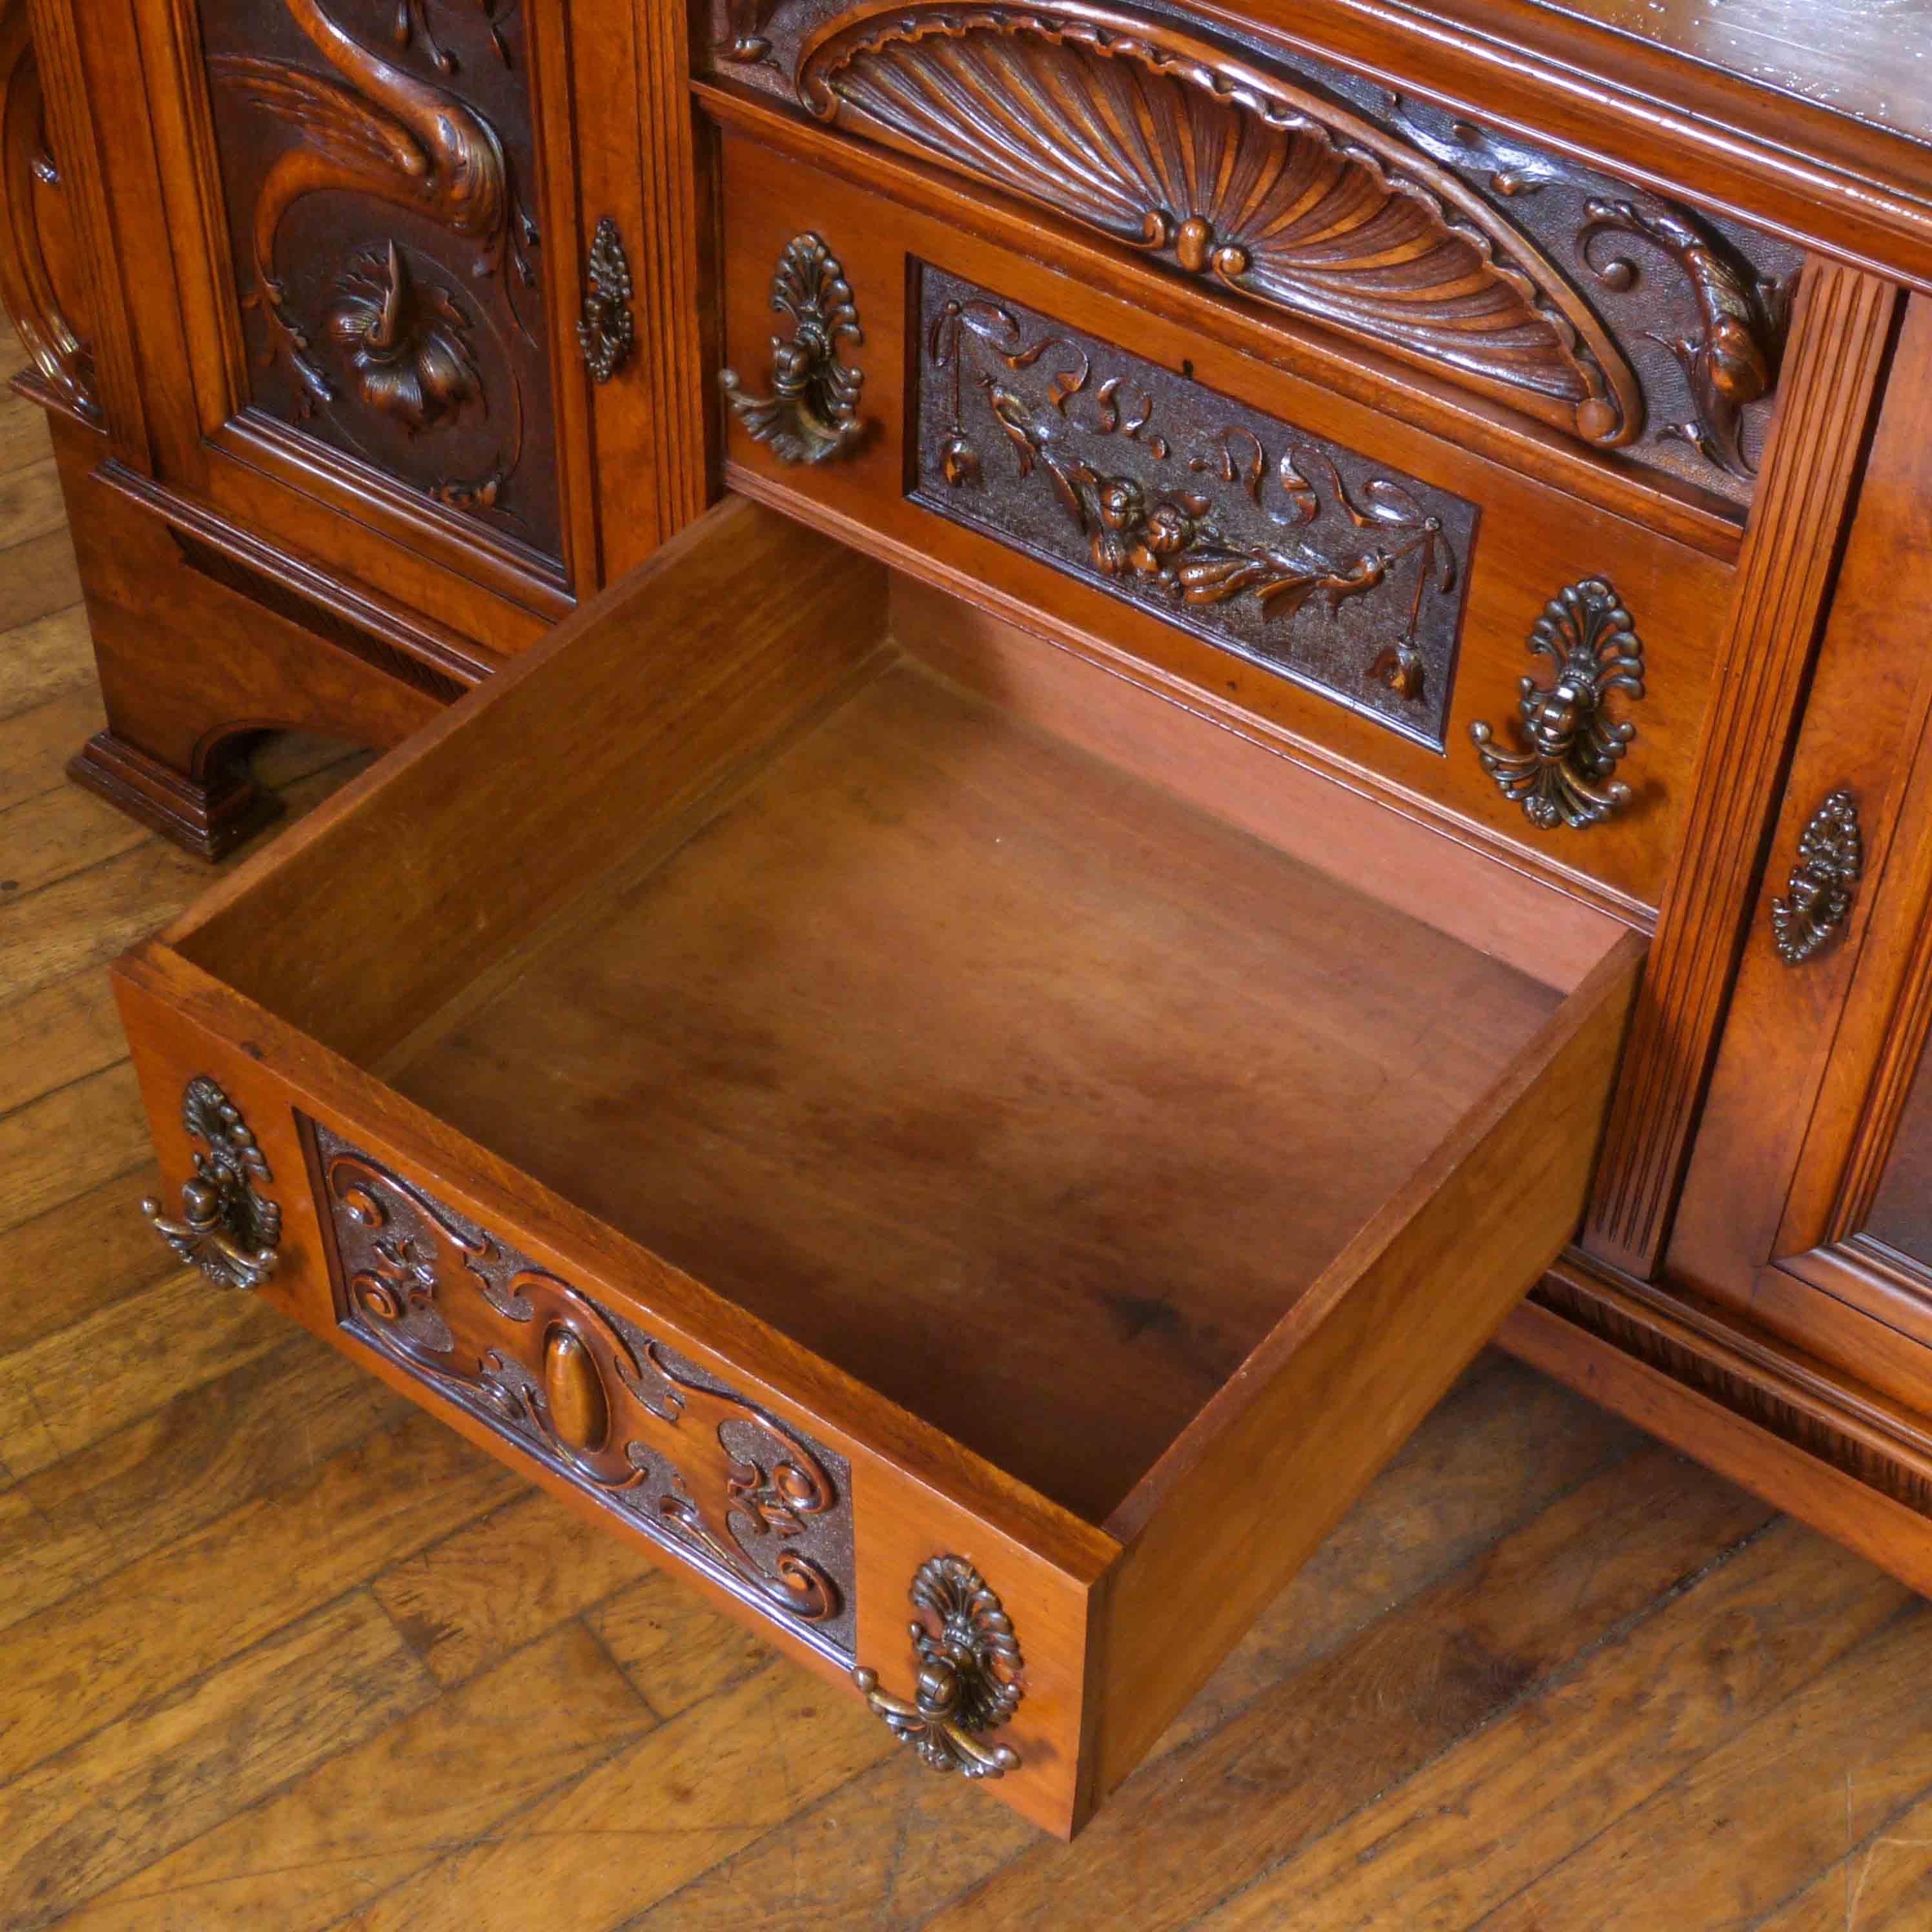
x: 378, y: 167
x: 1809, y: 1193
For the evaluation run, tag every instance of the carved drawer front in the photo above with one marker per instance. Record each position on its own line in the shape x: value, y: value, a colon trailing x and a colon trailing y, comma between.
x: 885, y: 1145
x: 1480, y: 648
x: 378, y: 164
x: 756, y: 1505
x: 1622, y: 319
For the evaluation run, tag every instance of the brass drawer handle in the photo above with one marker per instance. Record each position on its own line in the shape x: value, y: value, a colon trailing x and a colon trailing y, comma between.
x: 969, y: 1667
x: 1818, y: 900
x: 227, y: 1229
x: 1567, y: 776
x: 608, y: 333
x: 812, y: 413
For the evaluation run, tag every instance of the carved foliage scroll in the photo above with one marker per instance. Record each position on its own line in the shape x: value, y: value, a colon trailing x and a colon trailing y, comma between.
x: 378, y: 165
x: 1462, y: 250
x: 750, y: 1500
x: 1288, y: 549
x: 39, y: 277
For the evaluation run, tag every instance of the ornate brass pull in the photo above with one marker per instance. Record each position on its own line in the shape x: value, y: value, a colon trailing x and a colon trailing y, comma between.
x: 812, y: 413
x: 969, y: 1668
x: 1818, y: 900
x: 227, y: 1230
x: 608, y: 334
x: 1567, y: 775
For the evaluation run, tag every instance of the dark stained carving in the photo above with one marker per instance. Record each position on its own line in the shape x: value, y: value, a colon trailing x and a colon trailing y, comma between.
x: 969, y: 1670
x: 812, y: 412
x: 745, y: 41
x: 368, y: 184
x: 1285, y: 548
x: 1732, y: 359
x: 1566, y: 776
x: 412, y: 23
x: 228, y: 1229
x: 410, y: 351
x: 678, y: 1455
x: 37, y: 289
x: 1169, y: 140
x: 1181, y: 149
x: 608, y: 332
x: 1818, y: 900
x: 1513, y: 167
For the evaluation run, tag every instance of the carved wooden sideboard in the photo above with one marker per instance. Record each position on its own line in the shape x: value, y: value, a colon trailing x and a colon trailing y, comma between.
x: 977, y: 1038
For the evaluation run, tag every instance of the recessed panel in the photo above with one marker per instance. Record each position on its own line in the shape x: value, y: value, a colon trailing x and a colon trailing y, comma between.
x: 1285, y: 548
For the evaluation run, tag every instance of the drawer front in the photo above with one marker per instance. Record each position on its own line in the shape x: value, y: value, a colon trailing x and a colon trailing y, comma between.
x: 1369, y: 598
x: 1643, y: 331
x: 762, y: 1508
x: 817, y: 1516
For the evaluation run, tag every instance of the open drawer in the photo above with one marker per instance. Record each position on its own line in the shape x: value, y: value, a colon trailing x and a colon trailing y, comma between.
x: 849, y: 1097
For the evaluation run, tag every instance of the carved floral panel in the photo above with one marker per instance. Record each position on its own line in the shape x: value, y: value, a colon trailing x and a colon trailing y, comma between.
x: 757, y: 1505
x: 1626, y: 320
x: 1287, y: 549
x: 378, y: 163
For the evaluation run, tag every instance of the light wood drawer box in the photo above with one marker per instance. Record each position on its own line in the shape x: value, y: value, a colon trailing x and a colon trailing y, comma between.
x: 838, y: 1132
x: 1352, y: 588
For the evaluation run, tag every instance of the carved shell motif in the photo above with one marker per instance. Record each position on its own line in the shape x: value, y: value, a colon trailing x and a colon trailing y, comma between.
x: 1174, y: 146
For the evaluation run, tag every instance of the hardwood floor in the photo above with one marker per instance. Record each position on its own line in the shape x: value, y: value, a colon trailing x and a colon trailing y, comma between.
x: 282, y: 1654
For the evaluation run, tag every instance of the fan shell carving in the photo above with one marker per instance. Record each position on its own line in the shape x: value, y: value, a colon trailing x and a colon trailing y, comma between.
x: 1174, y: 146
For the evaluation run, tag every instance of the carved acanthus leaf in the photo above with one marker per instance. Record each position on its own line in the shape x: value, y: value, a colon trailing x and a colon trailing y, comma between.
x: 1176, y: 147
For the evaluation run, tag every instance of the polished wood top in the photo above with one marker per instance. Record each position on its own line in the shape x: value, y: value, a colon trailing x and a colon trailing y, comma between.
x: 1871, y: 59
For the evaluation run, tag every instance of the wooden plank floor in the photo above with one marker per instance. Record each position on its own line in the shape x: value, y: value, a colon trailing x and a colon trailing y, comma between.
x: 282, y: 1654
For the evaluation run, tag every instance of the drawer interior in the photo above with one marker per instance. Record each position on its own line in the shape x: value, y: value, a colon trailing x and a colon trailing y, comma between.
x: 1002, y: 1075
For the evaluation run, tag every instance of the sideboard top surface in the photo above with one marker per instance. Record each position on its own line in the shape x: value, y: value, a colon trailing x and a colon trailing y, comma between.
x: 1871, y: 59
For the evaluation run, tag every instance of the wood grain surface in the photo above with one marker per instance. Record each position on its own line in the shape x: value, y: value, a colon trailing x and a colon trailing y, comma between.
x: 283, y: 1654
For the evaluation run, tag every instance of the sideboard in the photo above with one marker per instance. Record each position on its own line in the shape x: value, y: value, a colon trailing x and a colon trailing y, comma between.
x: 1470, y: 460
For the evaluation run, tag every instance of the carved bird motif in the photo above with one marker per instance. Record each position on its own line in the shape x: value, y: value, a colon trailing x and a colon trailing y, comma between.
x: 378, y: 132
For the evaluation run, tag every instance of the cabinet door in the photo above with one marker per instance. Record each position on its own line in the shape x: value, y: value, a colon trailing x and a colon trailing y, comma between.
x: 432, y: 256
x: 1809, y: 1201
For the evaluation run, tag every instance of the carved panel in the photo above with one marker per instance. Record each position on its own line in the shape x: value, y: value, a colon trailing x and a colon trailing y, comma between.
x: 756, y: 1504
x: 41, y: 284
x: 1624, y: 319
x: 378, y: 163
x: 1288, y: 549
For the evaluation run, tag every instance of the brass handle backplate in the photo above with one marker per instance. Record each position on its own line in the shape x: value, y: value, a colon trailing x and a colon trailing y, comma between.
x: 608, y: 333
x: 1818, y: 900
x: 1566, y: 775
x: 812, y: 413
x: 968, y: 1673
x: 227, y: 1229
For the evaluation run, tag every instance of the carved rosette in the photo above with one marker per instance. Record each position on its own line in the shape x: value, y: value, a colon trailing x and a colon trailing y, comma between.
x: 677, y: 1454
x: 1290, y: 550
x: 968, y: 1674
x: 410, y: 351
x: 228, y: 1228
